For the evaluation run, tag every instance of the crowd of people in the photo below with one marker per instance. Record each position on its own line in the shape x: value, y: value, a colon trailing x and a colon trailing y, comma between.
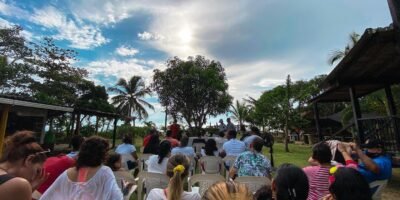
x: 336, y: 171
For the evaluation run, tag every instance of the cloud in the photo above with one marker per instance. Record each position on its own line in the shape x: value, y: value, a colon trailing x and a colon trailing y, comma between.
x: 10, y: 9
x: 126, y: 51
x: 79, y: 34
x: 29, y: 36
x: 149, y: 36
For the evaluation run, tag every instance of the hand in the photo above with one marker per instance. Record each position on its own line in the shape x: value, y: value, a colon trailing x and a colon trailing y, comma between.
x: 341, y: 147
x: 40, y: 177
x: 328, y: 197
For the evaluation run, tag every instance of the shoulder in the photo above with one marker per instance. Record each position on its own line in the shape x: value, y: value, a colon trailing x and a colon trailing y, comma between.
x: 191, y: 195
x: 156, y: 193
x: 20, y: 188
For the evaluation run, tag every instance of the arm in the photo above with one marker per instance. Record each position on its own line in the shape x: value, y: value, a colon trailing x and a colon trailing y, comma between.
x: 134, y: 155
x: 342, y: 149
x: 369, y: 163
x: 17, y: 189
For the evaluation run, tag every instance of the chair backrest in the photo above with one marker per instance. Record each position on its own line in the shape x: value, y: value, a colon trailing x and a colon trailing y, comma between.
x: 124, y: 160
x: 192, y: 165
x: 142, y: 158
x: 378, y: 186
x: 229, y: 161
x: 149, y: 181
x: 211, y: 164
x: 204, y: 180
x: 253, y: 182
x: 198, y: 146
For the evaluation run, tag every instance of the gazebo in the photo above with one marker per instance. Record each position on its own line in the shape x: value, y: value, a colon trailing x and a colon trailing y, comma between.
x: 372, y: 64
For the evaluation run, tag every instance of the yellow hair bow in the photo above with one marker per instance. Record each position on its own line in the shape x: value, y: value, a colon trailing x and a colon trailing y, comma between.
x: 179, y: 168
x: 333, y: 170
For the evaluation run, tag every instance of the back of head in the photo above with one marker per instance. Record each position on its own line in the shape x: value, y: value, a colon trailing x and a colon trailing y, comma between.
x: 76, y: 142
x: 177, y: 169
x: 168, y: 133
x: 19, y: 146
x: 290, y: 183
x: 112, y: 159
x: 92, y: 153
x: 210, y: 147
x: 227, y: 190
x: 255, y: 130
x: 165, y: 149
x: 127, y: 139
x: 221, y: 134
x: 257, y: 144
x: 242, y: 127
x: 264, y: 193
x: 232, y: 134
x: 184, y: 141
x: 321, y: 152
x: 350, y: 184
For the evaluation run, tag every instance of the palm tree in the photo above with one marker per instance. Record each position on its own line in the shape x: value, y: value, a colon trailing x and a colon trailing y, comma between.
x: 339, y: 54
x: 129, y: 99
x: 239, y: 111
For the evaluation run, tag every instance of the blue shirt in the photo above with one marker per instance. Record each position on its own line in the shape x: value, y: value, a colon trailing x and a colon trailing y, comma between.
x: 385, y: 169
x: 234, y: 147
x: 188, y: 151
x: 125, y: 149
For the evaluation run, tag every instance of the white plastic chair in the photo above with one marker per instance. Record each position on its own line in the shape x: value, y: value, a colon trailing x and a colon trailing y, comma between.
x: 379, y: 185
x: 192, y: 165
x: 204, y: 180
x: 149, y: 181
x: 211, y: 164
x: 253, y: 182
x: 124, y: 160
x: 141, y: 160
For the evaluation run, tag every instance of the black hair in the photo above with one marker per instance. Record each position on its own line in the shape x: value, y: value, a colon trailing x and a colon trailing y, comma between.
x: 127, y: 139
x: 92, y: 153
x: 184, y: 141
x: 165, y: 149
x: 232, y: 133
x: 221, y: 134
x: 168, y: 133
x: 242, y: 127
x: 321, y: 152
x: 291, y: 183
x: 258, y: 144
x: 76, y: 142
x: 153, y: 146
x: 210, y: 147
x: 264, y: 193
x: 255, y: 130
x: 350, y: 184
x: 112, y: 159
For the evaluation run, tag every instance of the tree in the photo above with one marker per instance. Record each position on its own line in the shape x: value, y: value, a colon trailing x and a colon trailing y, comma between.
x: 193, y: 89
x: 239, y: 111
x: 339, y: 54
x: 129, y: 99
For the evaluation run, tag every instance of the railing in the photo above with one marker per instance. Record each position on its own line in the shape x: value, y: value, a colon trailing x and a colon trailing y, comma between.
x: 385, y: 128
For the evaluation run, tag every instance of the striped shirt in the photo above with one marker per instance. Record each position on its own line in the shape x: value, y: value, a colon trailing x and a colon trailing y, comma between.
x: 234, y: 147
x: 318, y: 179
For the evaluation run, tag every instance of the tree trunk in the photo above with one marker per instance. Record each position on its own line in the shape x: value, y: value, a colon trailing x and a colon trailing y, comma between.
x: 108, y: 126
x: 286, y: 137
x: 97, y: 125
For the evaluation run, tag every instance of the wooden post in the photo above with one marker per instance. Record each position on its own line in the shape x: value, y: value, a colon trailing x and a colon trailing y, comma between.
x: 391, y: 104
x: 316, y: 118
x: 114, y: 132
x: 43, y: 129
x: 78, y: 124
x: 3, y: 125
x: 97, y: 125
x: 356, y: 114
x: 394, y: 7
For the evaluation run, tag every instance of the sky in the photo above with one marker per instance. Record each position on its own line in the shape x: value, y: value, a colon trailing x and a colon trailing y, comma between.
x: 258, y: 42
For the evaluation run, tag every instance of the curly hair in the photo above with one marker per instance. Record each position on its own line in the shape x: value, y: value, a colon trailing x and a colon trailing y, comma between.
x: 227, y: 190
x: 92, y: 153
x: 21, y: 145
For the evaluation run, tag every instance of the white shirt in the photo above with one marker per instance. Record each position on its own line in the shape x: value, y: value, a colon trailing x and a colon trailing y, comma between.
x: 234, y: 147
x: 102, y: 186
x: 187, y: 151
x: 249, y: 139
x: 153, y: 166
x: 158, y: 194
x: 125, y: 149
x: 203, y: 153
x: 230, y: 126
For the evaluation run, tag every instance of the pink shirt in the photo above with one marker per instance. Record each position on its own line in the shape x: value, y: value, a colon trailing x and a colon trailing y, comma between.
x: 318, y: 180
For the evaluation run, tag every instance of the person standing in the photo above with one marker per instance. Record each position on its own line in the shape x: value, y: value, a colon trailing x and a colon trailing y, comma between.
x: 221, y: 126
x: 175, y: 128
x: 230, y: 125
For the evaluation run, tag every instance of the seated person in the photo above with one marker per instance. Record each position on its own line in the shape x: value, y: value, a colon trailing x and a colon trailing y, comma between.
x: 124, y: 178
x: 76, y: 142
x: 227, y: 190
x: 128, y: 152
x: 220, y: 139
x: 183, y: 148
x: 174, y: 142
x: 252, y: 162
x: 254, y: 133
x: 153, y: 145
x: 210, y: 149
x: 146, y: 138
x: 375, y: 164
x: 233, y: 147
x: 290, y: 182
x: 177, y: 170
x: 158, y: 163
x: 348, y: 183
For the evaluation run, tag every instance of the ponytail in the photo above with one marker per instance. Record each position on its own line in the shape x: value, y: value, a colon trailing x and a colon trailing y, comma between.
x: 165, y: 149
x: 175, y: 188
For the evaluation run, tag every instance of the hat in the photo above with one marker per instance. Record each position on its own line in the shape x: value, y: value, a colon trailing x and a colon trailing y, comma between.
x: 373, y: 143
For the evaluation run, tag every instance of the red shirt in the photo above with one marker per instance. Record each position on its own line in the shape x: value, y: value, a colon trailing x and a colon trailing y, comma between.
x: 55, y: 166
x: 174, y: 142
x: 175, y: 130
x: 146, y: 140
